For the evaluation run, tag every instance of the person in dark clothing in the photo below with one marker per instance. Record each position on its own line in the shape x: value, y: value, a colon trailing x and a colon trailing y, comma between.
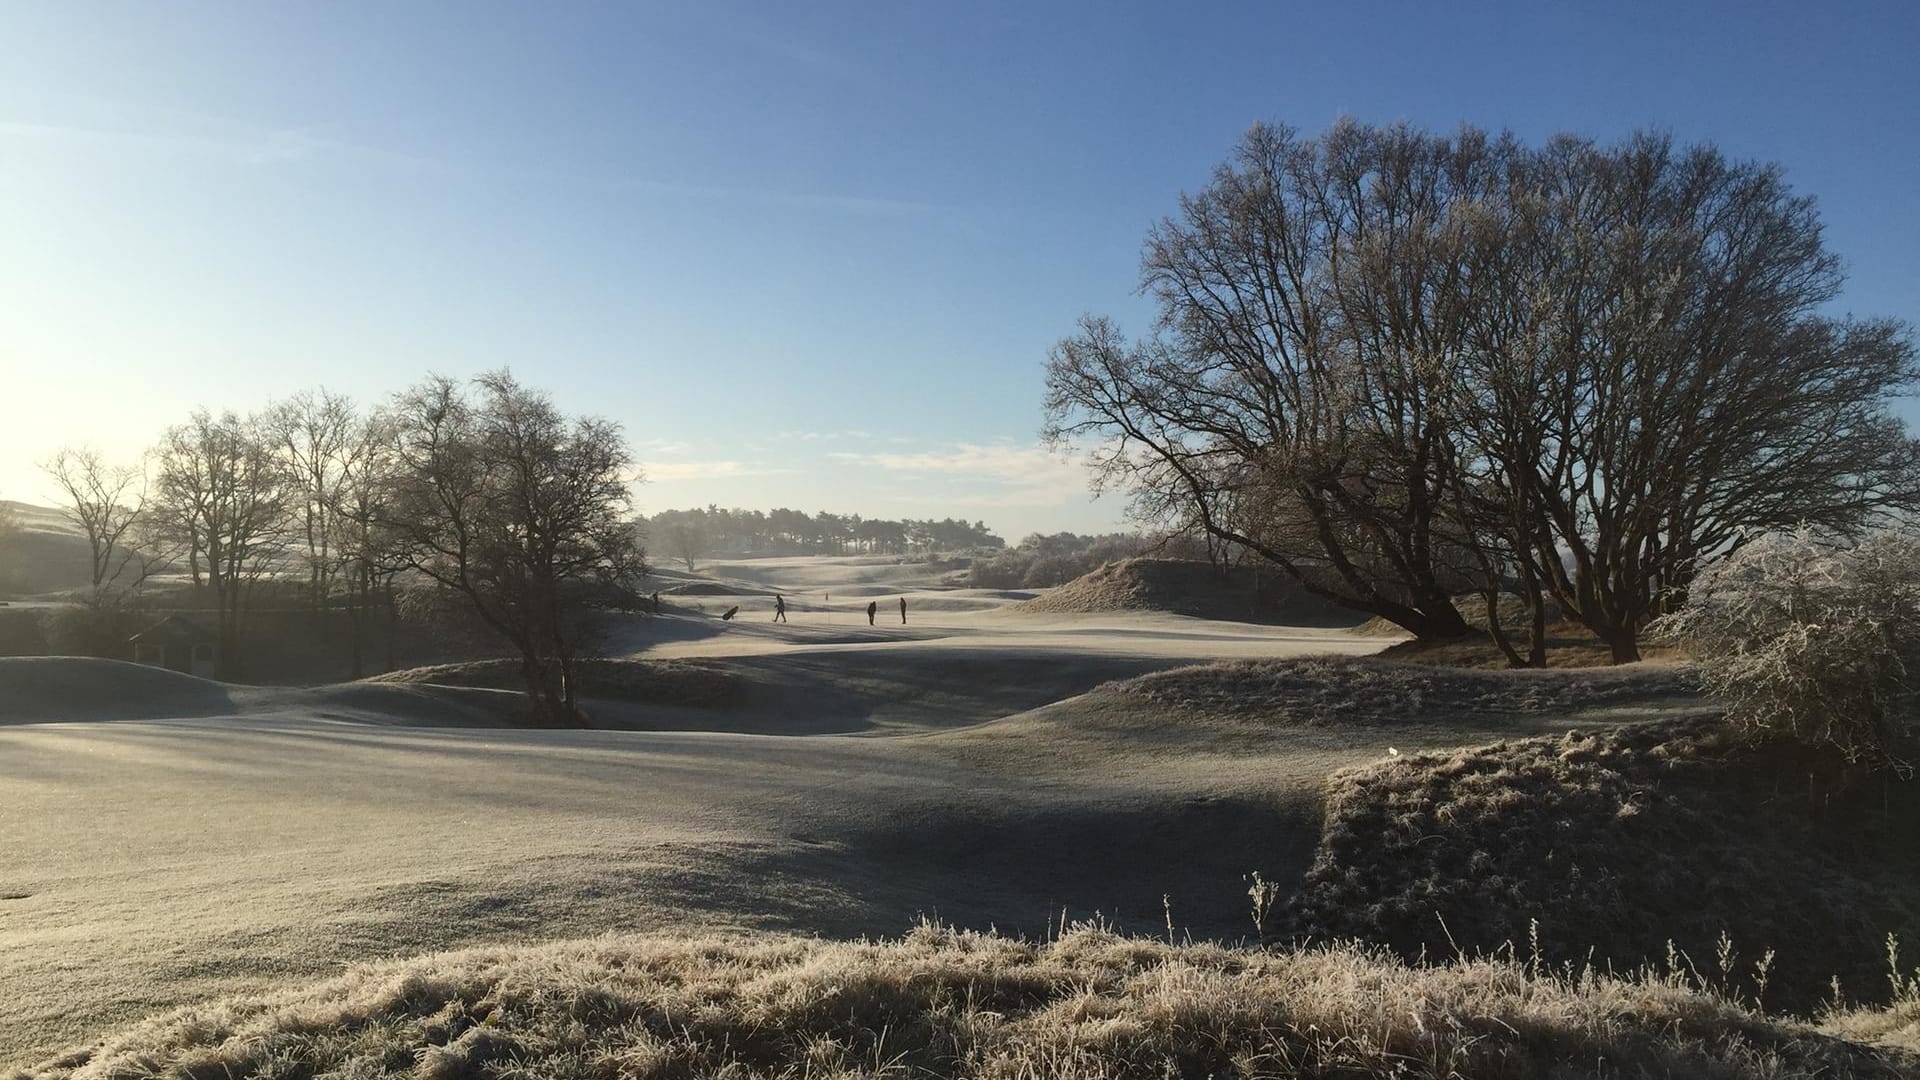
x: 903, y: 611
x: 656, y: 603
x: 779, y: 608
x: 873, y: 609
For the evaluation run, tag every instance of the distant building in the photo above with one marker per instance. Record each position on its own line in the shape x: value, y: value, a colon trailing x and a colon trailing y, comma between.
x: 178, y: 643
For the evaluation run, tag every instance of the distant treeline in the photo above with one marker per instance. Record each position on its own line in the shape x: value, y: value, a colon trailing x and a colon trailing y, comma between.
x: 690, y: 535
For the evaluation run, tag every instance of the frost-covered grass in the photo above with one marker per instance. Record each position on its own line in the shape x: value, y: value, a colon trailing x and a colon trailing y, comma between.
x: 944, y: 1003
x: 1331, y: 690
x: 1628, y: 847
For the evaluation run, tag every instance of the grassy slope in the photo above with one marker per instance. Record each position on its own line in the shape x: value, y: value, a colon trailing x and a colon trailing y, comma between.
x: 226, y: 855
x: 941, y: 1003
x: 1188, y: 588
x: 1620, y: 842
x: 1215, y: 736
x: 1338, y: 690
x: 689, y: 683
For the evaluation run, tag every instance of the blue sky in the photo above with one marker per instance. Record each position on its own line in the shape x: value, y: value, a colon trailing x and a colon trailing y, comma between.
x: 810, y: 254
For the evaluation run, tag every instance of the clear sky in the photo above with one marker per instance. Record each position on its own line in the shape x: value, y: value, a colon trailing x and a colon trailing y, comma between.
x: 811, y: 254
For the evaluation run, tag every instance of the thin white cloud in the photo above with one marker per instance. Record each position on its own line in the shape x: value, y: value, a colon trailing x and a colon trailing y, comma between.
x: 999, y: 474
x: 1008, y: 461
x: 780, y: 41
x: 292, y: 144
x: 240, y: 143
x: 265, y: 147
x: 709, y: 470
x: 823, y: 436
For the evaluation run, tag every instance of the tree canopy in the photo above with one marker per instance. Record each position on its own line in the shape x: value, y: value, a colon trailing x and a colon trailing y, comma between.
x: 1403, y: 365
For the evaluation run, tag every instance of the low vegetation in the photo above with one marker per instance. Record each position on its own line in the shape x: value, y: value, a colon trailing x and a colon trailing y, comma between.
x: 1044, y: 560
x: 1337, y: 690
x: 1814, y: 641
x: 1652, y: 843
x: 945, y: 1003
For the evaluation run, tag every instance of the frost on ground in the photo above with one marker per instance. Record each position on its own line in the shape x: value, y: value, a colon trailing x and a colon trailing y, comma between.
x: 944, y: 1003
x: 1328, y: 690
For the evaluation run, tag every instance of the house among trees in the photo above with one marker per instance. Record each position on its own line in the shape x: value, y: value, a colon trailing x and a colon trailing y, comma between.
x: 179, y: 643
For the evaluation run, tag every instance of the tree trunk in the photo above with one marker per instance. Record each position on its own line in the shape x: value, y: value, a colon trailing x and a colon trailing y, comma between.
x: 357, y: 624
x: 1537, y: 607
x: 569, y: 689
x: 1623, y: 643
x: 1433, y: 621
x: 550, y: 688
x: 1499, y: 632
x: 393, y: 621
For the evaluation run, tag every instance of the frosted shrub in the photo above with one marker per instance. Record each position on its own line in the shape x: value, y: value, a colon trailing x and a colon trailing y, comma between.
x: 1799, y: 637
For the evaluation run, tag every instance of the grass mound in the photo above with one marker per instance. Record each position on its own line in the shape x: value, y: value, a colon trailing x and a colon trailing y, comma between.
x: 1628, y: 846
x: 1339, y: 690
x: 683, y: 683
x: 943, y: 1003
x: 715, y: 588
x: 1183, y: 587
x: 83, y: 688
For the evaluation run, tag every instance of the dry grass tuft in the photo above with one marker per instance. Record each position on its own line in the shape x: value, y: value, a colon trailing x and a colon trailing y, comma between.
x: 1624, y: 844
x: 945, y: 1003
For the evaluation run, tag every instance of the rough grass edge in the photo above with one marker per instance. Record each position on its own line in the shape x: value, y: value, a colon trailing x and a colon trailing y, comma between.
x: 949, y: 1003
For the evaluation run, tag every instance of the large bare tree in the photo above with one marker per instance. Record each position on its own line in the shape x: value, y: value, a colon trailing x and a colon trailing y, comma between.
x: 313, y: 432
x: 367, y: 549
x: 1293, y: 402
x: 687, y: 534
x: 1402, y: 365
x: 221, y: 486
x: 104, y: 501
x: 523, y: 514
x: 1655, y: 380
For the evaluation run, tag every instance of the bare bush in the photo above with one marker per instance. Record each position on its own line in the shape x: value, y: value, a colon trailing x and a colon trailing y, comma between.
x: 1812, y: 640
x: 98, y: 625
